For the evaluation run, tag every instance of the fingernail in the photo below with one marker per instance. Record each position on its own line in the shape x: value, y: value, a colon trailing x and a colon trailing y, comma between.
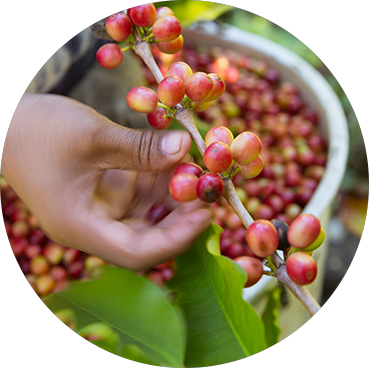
x: 171, y: 143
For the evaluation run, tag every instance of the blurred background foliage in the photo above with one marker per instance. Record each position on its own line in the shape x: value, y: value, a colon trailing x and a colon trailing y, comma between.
x: 353, y: 197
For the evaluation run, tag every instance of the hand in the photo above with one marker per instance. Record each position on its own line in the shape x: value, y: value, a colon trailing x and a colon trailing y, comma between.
x: 91, y: 182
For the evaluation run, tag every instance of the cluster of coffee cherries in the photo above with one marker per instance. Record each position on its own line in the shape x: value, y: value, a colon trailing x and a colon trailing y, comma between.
x: 224, y: 155
x: 195, y: 90
x: 48, y: 266
x: 297, y: 241
x: 153, y: 25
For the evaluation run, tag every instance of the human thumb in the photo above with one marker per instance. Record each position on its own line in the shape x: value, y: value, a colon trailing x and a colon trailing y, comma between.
x: 141, y: 150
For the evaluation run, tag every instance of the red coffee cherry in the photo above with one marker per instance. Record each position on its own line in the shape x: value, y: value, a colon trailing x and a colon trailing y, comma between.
x: 118, y: 26
x: 171, y: 91
x: 171, y: 47
x: 158, y: 119
x: 303, y: 231
x: 180, y: 70
x: 109, y: 56
x: 166, y: 29
x: 219, y: 87
x: 182, y: 187
x: 209, y: 188
x: 189, y: 168
x: 301, y: 268
x: 262, y: 238
x: 219, y: 134
x: 143, y: 15
x: 163, y: 11
x: 253, y: 268
x: 252, y: 169
x: 246, y: 147
x: 142, y: 99
x: 199, y: 86
x: 217, y: 157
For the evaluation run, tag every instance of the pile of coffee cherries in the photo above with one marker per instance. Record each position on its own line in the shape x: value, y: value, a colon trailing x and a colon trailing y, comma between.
x: 48, y: 267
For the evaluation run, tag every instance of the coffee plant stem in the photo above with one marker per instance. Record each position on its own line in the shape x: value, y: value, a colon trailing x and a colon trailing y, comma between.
x: 184, y: 117
x: 229, y: 193
x: 300, y: 292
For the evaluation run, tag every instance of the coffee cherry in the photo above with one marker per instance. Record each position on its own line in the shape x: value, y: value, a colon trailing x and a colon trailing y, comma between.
x: 91, y: 262
x: 189, y: 168
x: 246, y: 147
x: 166, y: 29
x: 143, y: 15
x: 19, y: 229
x: 272, y: 76
x: 39, y: 265
x: 262, y: 238
x: 182, y: 187
x: 180, y: 70
x: 252, y: 169
x: 158, y: 119
x: 158, y: 212
x: 32, y: 251
x: 58, y: 273
x: 19, y: 245
x: 71, y: 255
x: 163, y: 11
x: 219, y: 134
x: 199, y: 86
x: 75, y: 269
x: 235, y: 250
x: 118, y: 26
x: 264, y: 212
x: 217, y: 157
x: 282, y: 229
x: 303, y: 231
x: 292, y: 211
x: 317, y: 243
x: 53, y: 253
x: 44, y: 285
x: 142, y: 99
x: 109, y: 56
x: 276, y: 202
x: 167, y: 274
x: 171, y: 47
x: 201, y: 106
x: 301, y: 268
x: 253, y: 268
x: 171, y: 91
x: 219, y: 87
x: 36, y: 237
x: 209, y: 188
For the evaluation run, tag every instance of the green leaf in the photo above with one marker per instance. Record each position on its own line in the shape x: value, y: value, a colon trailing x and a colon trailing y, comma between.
x: 189, y: 12
x: 270, y: 316
x: 140, y: 313
x: 221, y: 326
